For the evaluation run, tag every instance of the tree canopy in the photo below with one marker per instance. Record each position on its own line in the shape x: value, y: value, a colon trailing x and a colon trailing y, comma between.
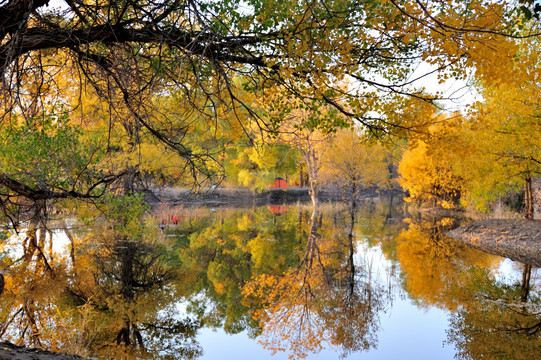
x: 160, y: 90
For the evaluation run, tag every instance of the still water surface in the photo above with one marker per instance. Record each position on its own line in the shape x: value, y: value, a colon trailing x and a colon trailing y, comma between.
x: 270, y: 282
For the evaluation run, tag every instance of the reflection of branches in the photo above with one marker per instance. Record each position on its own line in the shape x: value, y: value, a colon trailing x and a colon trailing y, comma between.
x: 311, y: 262
x: 116, y: 295
x: 181, y: 334
x: 322, y: 300
x: 495, y: 321
x: 25, y: 313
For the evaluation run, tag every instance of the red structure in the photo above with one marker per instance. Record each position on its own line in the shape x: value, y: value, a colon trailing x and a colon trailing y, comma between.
x: 279, y: 183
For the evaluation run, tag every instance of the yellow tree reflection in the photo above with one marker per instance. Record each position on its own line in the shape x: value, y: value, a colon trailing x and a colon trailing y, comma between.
x: 110, y: 295
x: 33, y: 278
x: 325, y: 301
x: 432, y: 262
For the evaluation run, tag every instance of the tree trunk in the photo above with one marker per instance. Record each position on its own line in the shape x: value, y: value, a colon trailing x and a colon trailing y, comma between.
x: 302, y: 178
x: 350, y: 261
x: 353, y: 203
x: 129, y: 181
x: 72, y: 242
x: 525, y: 285
x: 528, y: 199
x: 314, y: 193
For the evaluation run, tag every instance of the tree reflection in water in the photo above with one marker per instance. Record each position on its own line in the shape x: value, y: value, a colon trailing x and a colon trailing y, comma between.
x: 132, y: 290
x: 326, y: 299
x: 490, y: 318
x: 298, y: 282
x: 110, y: 296
x: 114, y: 293
x: 496, y: 320
x: 27, y: 307
x: 432, y: 263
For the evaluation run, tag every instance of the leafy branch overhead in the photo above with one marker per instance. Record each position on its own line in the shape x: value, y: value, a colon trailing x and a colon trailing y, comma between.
x: 308, y: 47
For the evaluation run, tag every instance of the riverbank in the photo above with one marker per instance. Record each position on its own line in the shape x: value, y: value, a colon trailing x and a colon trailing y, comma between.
x: 220, y: 197
x: 224, y: 196
x: 9, y: 351
x: 515, y: 239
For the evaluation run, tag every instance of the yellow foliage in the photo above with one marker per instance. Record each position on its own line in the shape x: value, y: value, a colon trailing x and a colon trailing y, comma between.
x: 352, y: 160
x: 429, y: 178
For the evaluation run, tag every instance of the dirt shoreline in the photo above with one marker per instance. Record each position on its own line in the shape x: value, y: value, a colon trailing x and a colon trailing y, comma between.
x: 9, y: 351
x: 518, y: 240
x: 223, y: 197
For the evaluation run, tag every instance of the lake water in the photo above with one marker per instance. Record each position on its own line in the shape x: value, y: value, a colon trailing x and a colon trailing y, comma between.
x: 270, y: 282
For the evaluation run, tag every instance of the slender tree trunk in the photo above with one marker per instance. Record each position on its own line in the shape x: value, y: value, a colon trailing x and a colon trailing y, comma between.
x: 129, y: 181
x: 525, y: 286
x: 314, y: 193
x: 350, y: 262
x: 353, y: 203
x: 312, y: 173
x: 72, y: 242
x: 528, y: 199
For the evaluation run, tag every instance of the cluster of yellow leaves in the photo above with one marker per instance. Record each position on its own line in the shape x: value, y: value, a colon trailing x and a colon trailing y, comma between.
x: 428, y: 178
x: 490, y: 151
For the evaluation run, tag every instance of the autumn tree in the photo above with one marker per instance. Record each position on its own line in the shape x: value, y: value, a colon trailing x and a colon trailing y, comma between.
x: 308, y: 129
x: 486, y: 153
x: 426, y: 168
x: 500, y: 141
x: 255, y: 164
x: 131, y: 54
x: 352, y: 163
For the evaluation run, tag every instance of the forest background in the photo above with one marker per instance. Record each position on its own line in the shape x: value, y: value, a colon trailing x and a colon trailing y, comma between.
x: 101, y: 100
